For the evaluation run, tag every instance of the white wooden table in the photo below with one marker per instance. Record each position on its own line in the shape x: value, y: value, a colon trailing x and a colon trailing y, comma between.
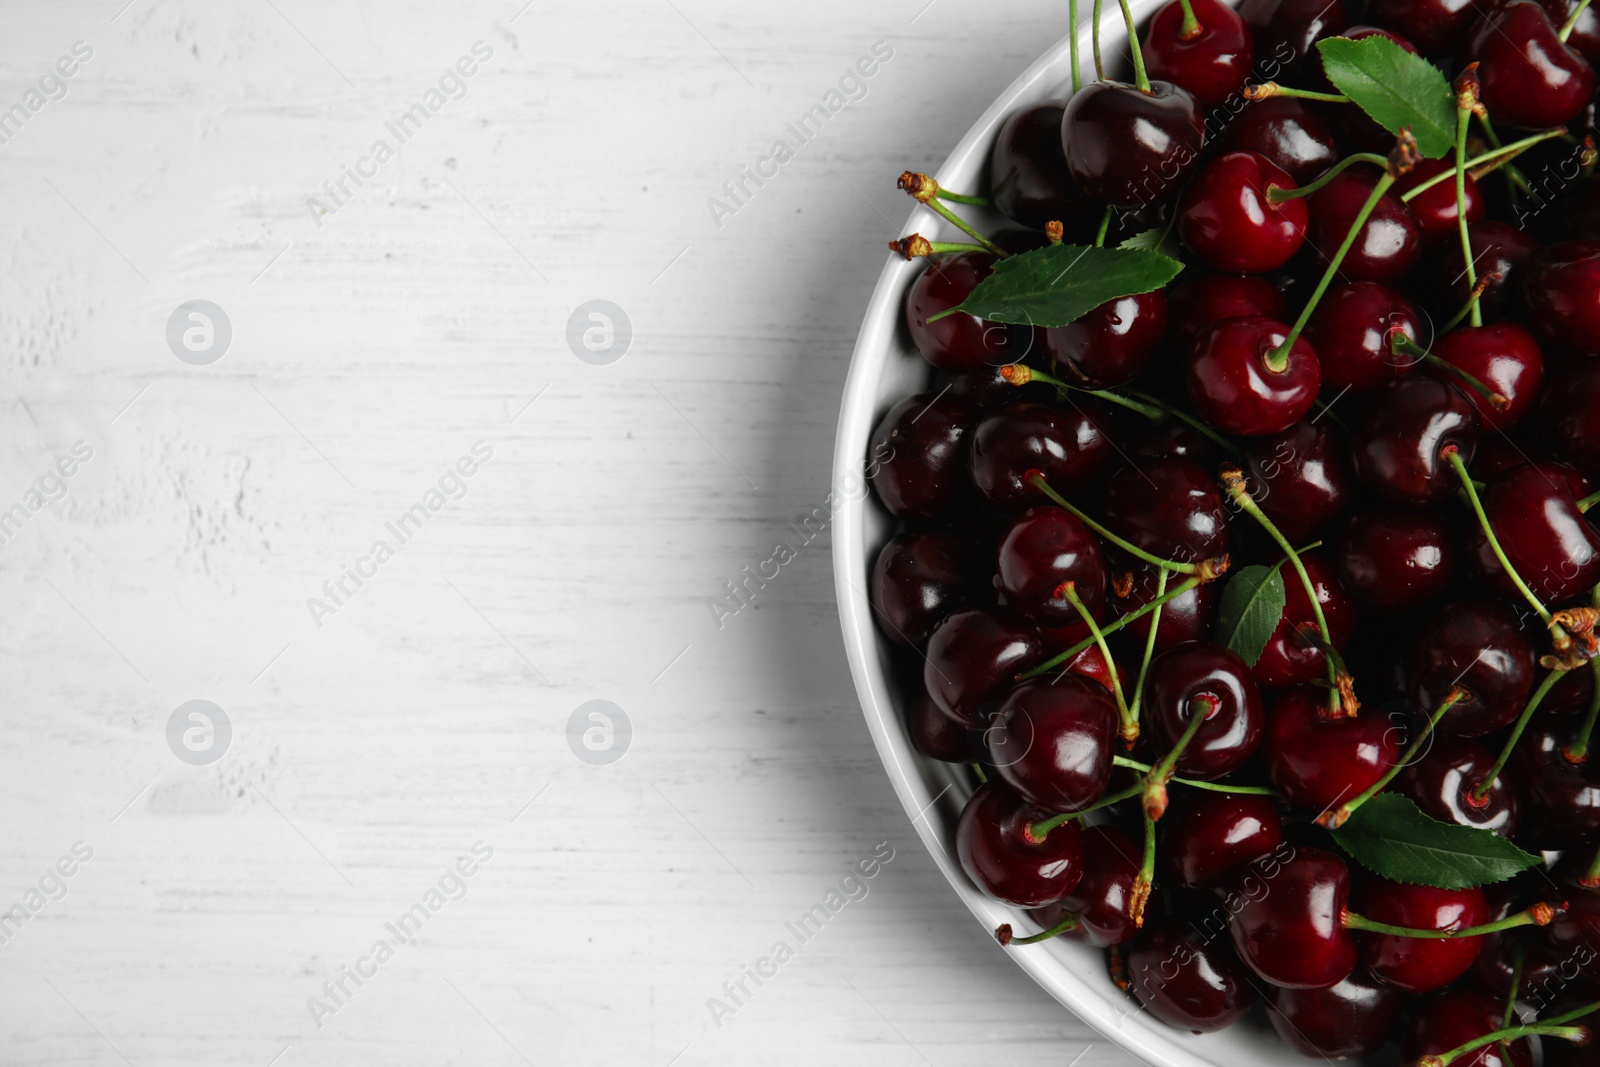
x: 377, y: 336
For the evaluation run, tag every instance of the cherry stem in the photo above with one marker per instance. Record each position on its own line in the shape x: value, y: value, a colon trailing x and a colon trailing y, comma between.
x: 1471, y: 305
x: 1399, y: 342
x: 1094, y: 39
x: 961, y: 198
x: 1037, y: 830
x: 1589, y: 501
x: 1068, y: 923
x: 1464, y: 104
x: 1140, y: 78
x: 1112, y: 627
x: 1105, y: 224
x: 1191, y: 25
x: 1572, y: 21
x: 1537, y: 915
x: 1036, y: 480
x: 1156, y: 779
x: 1578, y: 751
x: 1265, y: 90
x: 1557, y: 1027
x: 1516, y: 987
x: 961, y: 224
x: 1453, y: 455
x: 1478, y: 166
x: 1022, y: 374
x: 1140, y: 894
x: 1233, y: 484
x: 1072, y: 45
x: 1277, y: 194
x: 1480, y: 792
x: 1186, y: 418
x: 1150, y: 642
x: 917, y: 246
x: 983, y: 777
x: 1591, y: 876
x: 1337, y: 818
x: 1129, y: 717
x: 1215, y: 787
x: 925, y: 190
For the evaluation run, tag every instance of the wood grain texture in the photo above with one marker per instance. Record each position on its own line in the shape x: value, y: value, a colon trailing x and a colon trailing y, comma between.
x: 368, y: 354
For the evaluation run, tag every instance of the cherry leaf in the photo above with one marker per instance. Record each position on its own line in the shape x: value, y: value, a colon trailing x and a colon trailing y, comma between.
x: 1251, y: 607
x: 1399, y: 90
x: 1390, y: 836
x: 1058, y: 284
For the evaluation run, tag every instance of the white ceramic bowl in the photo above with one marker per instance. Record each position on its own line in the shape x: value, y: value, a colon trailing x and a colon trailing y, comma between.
x: 885, y: 369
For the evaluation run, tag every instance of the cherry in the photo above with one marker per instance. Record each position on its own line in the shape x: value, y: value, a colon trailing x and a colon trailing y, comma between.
x: 1288, y: 658
x: 1559, y: 802
x: 1544, y: 535
x: 1053, y: 743
x: 1169, y: 508
x: 924, y: 442
x: 1506, y: 359
x: 1435, y: 207
x: 1293, y: 935
x: 1006, y: 860
x: 1196, y: 304
x: 935, y: 734
x: 1415, y: 964
x: 1318, y: 763
x: 1287, y: 31
x: 1541, y: 964
x: 1389, y: 242
x: 1042, y: 550
x: 1089, y: 663
x: 1561, y: 286
x: 1127, y: 147
x: 1183, y: 618
x: 1480, y: 646
x: 1434, y: 26
x: 1214, y: 683
x: 1227, y: 220
x: 1353, y: 1018
x: 1186, y: 980
x: 1398, y: 449
x: 1102, y: 900
x: 1028, y: 178
x: 961, y: 341
x: 1452, y: 1019
x: 1301, y: 477
x: 1569, y: 416
x: 1213, y: 63
x: 1585, y: 36
x: 1395, y: 559
x: 1529, y: 77
x: 1110, y: 345
x: 1350, y: 331
x: 1069, y: 446
x: 973, y: 658
x: 918, y: 579
x: 1207, y: 837
x: 1497, y: 248
x: 1288, y: 133
x: 1237, y: 386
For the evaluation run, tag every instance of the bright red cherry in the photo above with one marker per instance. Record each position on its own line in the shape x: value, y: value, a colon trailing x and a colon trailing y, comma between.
x: 1389, y: 242
x: 961, y: 341
x: 1288, y: 659
x: 973, y: 659
x: 1053, y: 743
x: 1006, y: 860
x: 1111, y: 864
x: 1569, y: 416
x: 1213, y: 63
x: 1068, y: 445
x: 1196, y: 304
x: 1042, y: 550
x: 1414, y: 964
x: 1028, y: 178
x: 1301, y: 477
x: 1504, y: 357
x: 918, y: 579
x: 1228, y: 221
x: 1293, y: 934
x: 1561, y: 285
x: 1235, y: 385
x: 924, y: 441
x: 1214, y: 683
x: 1442, y: 779
x: 1396, y: 559
x: 1481, y: 646
x: 1399, y: 449
x: 1129, y: 148
x: 1530, y: 78
x: 1287, y: 132
x: 1186, y: 980
x: 1350, y: 331
x: 1452, y: 1019
x: 1110, y: 345
x: 1538, y: 524
x: 1319, y: 763
x: 1208, y: 837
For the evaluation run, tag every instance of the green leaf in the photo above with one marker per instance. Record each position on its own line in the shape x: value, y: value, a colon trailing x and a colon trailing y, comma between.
x: 1058, y: 284
x: 1391, y: 836
x: 1396, y: 88
x: 1251, y: 607
x: 1156, y: 239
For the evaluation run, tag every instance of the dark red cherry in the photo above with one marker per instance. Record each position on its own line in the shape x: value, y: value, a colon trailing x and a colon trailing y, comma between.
x: 1229, y: 223
x: 1110, y: 345
x: 1497, y: 248
x: 1350, y: 331
x: 1530, y: 78
x: 1236, y: 389
x: 1111, y: 863
x: 1042, y: 550
x: 1454, y: 1018
x: 1028, y: 178
x: 1415, y: 964
x: 1293, y: 934
x: 1482, y: 647
x: 918, y: 579
x: 1398, y: 449
x: 1442, y: 779
x: 1006, y: 860
x: 1130, y: 148
x: 1213, y: 64
x: 1540, y: 963
x: 1575, y: 933
x: 1170, y: 508
x: 1585, y: 36
x: 1188, y: 981
x: 1068, y: 445
x: 1354, y: 1018
x: 1561, y: 287
x: 1288, y: 659
x: 1434, y: 26
x: 935, y: 734
x: 960, y: 342
x: 1208, y: 837
x: 1569, y: 416
x: 1389, y: 242
x: 1183, y: 618
x: 1196, y: 304
x: 1319, y: 763
x: 1288, y: 133
x: 1214, y: 683
x: 923, y: 441
x: 1435, y: 207
x: 1053, y: 742
x: 1544, y: 535
x: 1286, y: 31
x: 1559, y: 803
x: 973, y: 659
x: 1504, y: 357
x: 1301, y: 477
x: 1396, y: 559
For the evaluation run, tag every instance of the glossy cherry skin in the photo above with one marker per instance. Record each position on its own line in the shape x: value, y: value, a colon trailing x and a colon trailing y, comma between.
x: 1388, y: 244
x: 1111, y: 862
x: 1452, y: 1019
x: 1211, y: 681
x: 1435, y: 27
x: 1068, y: 445
x: 1208, y: 837
x: 1497, y: 248
x: 973, y: 658
x: 1481, y: 646
x: 1293, y: 935
x: 1504, y: 357
x: 1435, y: 207
x: 1234, y: 388
x: 1301, y: 477
x: 1585, y: 35
x: 1288, y: 133
x: 1053, y: 743
x: 1530, y: 78
x: 1005, y: 860
x: 1286, y: 31
x: 1318, y: 763
x: 1352, y: 1018
x: 1188, y: 981
x: 1398, y: 449
x: 1441, y: 781
x: 960, y: 342
x: 1414, y: 964
x: 1170, y: 508
x: 918, y: 579
x: 1561, y: 287
x: 1559, y: 803
x: 1196, y: 304
x: 923, y: 441
x: 1183, y: 618
x: 1544, y: 535
x: 935, y: 734
x: 1396, y: 559
x: 1028, y: 179
x: 1287, y: 659
x: 1569, y: 416
x: 1110, y: 345
x: 1213, y: 64
x: 1350, y: 330
x: 1043, y: 549
x: 1229, y: 223
x: 1129, y: 148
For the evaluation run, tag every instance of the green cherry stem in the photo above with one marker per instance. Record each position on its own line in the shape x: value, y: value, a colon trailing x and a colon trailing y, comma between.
x: 1139, y: 895
x: 1277, y: 194
x: 1036, y: 831
x: 1591, y: 876
x: 1156, y: 779
x: 1480, y: 792
x: 1589, y: 501
x: 1472, y: 302
x: 1399, y: 343
x: 1572, y: 21
x: 925, y: 190
x: 1336, y: 818
x: 959, y: 198
x: 1516, y: 987
x: 1130, y: 719
x: 1068, y: 923
x: 1264, y: 90
x: 1022, y: 374
x: 1214, y: 787
x: 1105, y: 225
x: 1466, y: 87
x: 917, y: 246
x: 1478, y: 166
x: 1186, y: 418
x: 1578, y: 751
x: 1112, y: 627
x: 1537, y: 915
x: 1556, y: 1027
x: 1205, y: 567
x: 1094, y: 40
x: 1150, y: 641
x: 983, y: 777
x: 1072, y: 45
x: 1191, y: 25
x: 1453, y: 456
x: 1140, y: 78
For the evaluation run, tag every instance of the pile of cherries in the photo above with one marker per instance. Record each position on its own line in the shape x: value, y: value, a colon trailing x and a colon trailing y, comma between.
x: 1329, y: 389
